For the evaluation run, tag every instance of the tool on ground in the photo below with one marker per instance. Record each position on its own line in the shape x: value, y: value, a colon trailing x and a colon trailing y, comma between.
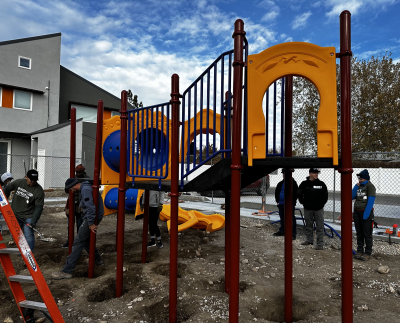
x: 48, y: 307
x: 41, y: 236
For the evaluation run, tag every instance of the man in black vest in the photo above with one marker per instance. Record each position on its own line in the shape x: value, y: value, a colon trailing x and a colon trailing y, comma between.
x: 364, y: 192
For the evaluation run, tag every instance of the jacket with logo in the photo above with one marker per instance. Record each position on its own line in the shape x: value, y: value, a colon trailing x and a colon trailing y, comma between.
x: 313, y: 194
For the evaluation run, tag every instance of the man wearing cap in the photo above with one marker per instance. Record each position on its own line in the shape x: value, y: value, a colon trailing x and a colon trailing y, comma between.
x: 313, y: 194
x: 82, y: 239
x: 5, y: 179
x: 364, y: 193
x: 280, y: 200
x: 27, y: 203
x: 79, y: 173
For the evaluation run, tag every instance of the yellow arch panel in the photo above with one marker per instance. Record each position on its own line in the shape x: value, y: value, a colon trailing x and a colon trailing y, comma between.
x: 194, y: 132
x: 315, y: 63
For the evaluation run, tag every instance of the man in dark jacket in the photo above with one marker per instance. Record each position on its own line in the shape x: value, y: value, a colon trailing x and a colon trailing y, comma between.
x: 79, y: 173
x: 364, y: 192
x: 280, y: 200
x: 313, y: 194
x: 82, y: 239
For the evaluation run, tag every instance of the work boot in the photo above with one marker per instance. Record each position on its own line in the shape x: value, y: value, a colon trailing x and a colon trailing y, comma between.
x: 159, y: 244
x: 65, y: 245
x: 306, y: 243
x: 152, y: 243
x: 278, y: 234
x: 61, y: 275
x: 365, y: 257
x: 319, y: 248
x: 358, y: 255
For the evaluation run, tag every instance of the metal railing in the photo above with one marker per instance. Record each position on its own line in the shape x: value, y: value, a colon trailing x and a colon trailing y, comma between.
x: 206, y: 110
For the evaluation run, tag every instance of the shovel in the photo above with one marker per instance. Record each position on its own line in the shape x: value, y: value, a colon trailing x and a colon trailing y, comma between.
x: 41, y: 236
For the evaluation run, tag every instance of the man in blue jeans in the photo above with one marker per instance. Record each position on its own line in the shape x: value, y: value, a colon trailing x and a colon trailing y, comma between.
x: 27, y: 203
x: 82, y: 239
x: 280, y: 200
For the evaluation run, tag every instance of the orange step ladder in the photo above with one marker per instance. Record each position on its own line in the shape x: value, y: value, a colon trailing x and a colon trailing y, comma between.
x: 49, y: 307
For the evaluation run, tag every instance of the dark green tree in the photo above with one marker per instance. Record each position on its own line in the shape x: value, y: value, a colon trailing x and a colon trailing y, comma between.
x: 133, y: 100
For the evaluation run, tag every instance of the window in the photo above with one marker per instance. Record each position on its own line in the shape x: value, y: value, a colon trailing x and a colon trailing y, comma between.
x: 114, y: 113
x: 22, y: 100
x: 5, y: 156
x: 88, y: 114
x: 24, y: 62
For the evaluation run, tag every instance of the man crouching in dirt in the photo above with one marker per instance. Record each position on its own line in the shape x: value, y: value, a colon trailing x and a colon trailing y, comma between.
x: 82, y: 239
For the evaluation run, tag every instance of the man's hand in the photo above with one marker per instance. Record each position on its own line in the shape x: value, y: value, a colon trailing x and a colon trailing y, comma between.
x: 93, y: 227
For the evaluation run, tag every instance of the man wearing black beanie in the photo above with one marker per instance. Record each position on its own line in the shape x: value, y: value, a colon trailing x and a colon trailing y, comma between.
x: 364, y: 193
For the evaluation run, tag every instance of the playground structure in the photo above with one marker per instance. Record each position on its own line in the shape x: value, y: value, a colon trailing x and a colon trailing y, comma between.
x: 141, y: 148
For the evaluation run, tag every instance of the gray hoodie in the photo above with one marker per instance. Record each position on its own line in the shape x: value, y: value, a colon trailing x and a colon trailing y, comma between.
x: 155, y: 199
x: 87, y: 204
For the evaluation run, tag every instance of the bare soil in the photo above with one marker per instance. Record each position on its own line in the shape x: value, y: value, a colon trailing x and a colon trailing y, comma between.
x: 316, y: 282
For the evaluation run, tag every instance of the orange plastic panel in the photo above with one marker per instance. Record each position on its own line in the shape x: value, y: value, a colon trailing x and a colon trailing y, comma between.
x: 315, y: 63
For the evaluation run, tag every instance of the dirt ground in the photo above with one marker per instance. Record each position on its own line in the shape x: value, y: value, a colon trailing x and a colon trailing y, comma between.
x: 316, y: 282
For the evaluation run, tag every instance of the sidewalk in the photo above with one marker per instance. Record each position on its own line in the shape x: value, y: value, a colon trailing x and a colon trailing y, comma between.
x: 209, y: 208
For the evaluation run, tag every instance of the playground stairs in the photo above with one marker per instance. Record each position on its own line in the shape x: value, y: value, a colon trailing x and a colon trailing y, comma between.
x: 218, y: 177
x: 48, y: 307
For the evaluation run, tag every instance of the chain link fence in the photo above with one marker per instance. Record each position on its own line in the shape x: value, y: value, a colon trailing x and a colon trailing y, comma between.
x: 53, y: 171
x: 383, y: 169
x: 384, y: 174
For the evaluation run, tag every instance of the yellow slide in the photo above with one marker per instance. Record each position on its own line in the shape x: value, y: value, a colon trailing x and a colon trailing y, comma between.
x: 194, y: 219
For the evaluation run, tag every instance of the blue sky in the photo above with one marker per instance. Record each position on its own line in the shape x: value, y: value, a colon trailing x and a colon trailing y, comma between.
x: 138, y: 45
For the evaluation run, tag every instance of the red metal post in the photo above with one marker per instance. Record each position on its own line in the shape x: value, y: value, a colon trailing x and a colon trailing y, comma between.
x: 71, y: 204
x: 96, y: 182
x: 238, y: 36
x: 173, y: 263
x: 288, y: 202
x: 228, y: 143
x: 227, y: 241
x: 346, y: 170
x: 145, y: 225
x: 121, y: 195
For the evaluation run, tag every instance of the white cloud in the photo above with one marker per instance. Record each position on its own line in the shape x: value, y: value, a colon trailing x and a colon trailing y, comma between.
x: 354, y: 6
x: 271, y: 8
x: 146, y: 72
x: 301, y: 20
x: 270, y: 16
